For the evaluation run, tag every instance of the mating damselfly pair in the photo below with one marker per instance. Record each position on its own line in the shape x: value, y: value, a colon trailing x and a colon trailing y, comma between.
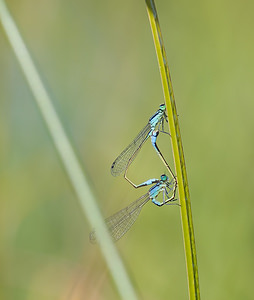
x: 119, y: 223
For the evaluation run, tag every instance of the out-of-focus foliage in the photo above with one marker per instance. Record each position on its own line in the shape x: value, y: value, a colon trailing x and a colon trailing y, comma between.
x: 98, y: 62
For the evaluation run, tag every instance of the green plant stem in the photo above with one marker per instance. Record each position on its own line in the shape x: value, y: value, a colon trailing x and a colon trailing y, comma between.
x: 186, y: 215
x: 67, y: 155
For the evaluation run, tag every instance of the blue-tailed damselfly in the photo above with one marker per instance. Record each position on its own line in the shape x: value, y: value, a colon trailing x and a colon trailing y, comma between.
x: 123, y: 161
x: 119, y: 223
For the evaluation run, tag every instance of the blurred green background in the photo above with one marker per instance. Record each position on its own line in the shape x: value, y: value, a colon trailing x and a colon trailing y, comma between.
x: 98, y: 63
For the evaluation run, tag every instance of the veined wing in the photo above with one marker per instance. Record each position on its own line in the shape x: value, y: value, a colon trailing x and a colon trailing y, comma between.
x: 130, y: 152
x: 119, y: 223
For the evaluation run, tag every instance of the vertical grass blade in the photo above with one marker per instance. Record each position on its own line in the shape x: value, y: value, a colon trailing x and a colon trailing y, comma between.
x: 186, y: 215
x: 67, y: 155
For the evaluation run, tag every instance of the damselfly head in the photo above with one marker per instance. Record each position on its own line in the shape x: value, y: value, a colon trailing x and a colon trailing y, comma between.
x: 163, y: 107
x: 164, y: 177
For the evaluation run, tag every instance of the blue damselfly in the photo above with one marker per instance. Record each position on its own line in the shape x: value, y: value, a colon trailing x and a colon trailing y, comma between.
x: 124, y: 160
x: 119, y: 223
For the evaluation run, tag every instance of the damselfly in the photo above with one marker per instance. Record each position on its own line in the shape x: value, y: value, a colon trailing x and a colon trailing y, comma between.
x: 124, y: 160
x: 119, y: 223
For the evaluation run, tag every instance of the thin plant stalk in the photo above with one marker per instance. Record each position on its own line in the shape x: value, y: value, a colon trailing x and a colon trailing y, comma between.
x: 186, y: 215
x: 67, y: 155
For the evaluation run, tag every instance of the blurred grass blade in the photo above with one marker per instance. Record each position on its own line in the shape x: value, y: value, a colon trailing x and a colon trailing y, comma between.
x: 67, y: 155
x: 186, y: 215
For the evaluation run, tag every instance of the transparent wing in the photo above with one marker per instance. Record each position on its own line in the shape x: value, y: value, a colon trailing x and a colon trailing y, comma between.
x: 119, y: 223
x: 130, y: 152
